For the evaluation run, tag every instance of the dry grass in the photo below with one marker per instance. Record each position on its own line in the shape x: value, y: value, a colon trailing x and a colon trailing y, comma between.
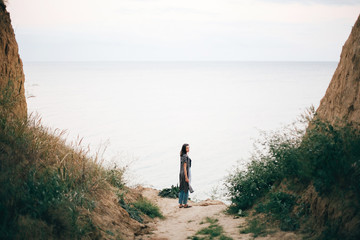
x: 54, y: 190
x: 51, y: 189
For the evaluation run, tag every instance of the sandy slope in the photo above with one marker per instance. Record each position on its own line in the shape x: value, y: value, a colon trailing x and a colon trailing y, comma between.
x: 180, y: 223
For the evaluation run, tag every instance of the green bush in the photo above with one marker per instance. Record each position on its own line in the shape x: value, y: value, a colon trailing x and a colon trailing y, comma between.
x: 245, y: 187
x: 331, y: 157
x: 327, y: 155
x: 133, y: 212
x: 148, y: 208
x: 311, y: 151
x: 274, y: 161
x: 279, y: 207
x: 139, y: 207
x: 172, y: 192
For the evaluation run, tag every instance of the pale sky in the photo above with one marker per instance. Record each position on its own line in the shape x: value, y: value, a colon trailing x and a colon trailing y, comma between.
x: 186, y: 30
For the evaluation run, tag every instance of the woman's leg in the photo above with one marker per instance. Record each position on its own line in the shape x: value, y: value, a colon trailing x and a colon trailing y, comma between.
x: 181, y: 196
x: 185, y: 196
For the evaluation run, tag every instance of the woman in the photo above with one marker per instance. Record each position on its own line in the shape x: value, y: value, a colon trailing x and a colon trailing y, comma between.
x: 184, y: 176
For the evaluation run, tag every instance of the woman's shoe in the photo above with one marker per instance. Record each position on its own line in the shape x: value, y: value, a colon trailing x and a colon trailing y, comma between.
x: 187, y: 206
x: 181, y: 206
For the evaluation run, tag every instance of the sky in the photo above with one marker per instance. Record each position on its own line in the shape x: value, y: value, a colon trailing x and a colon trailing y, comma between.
x: 186, y: 30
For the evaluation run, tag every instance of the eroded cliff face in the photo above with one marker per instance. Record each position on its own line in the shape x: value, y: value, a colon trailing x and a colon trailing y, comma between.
x: 12, y: 93
x: 342, y: 98
x: 340, y: 105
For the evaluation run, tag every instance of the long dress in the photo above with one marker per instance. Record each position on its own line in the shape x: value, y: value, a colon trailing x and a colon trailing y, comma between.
x: 183, y: 184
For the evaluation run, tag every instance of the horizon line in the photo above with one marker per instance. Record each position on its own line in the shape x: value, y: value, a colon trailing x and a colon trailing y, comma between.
x: 174, y: 61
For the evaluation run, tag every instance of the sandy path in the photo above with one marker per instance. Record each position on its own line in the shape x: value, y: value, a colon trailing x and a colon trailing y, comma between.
x: 180, y: 223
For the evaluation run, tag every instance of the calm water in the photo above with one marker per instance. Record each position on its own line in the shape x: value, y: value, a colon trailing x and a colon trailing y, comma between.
x: 144, y: 111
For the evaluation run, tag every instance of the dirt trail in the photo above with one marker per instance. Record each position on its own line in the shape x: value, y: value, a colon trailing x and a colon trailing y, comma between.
x: 181, y: 223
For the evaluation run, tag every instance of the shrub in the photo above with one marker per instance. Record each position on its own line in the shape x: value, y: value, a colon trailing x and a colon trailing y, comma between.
x: 331, y: 157
x: 172, y: 192
x: 274, y: 159
x: 148, y: 208
x: 133, y: 212
x: 279, y: 207
x: 327, y: 155
x: 318, y: 153
x: 139, y: 207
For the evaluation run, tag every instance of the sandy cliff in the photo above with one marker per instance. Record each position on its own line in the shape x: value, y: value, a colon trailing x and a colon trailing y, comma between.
x: 342, y: 98
x: 11, y: 68
x: 341, y: 104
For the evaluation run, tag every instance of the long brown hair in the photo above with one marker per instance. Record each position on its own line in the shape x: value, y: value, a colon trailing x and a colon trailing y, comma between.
x: 183, y: 149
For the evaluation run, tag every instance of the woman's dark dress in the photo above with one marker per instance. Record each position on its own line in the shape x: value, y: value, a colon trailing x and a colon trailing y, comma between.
x: 183, y: 184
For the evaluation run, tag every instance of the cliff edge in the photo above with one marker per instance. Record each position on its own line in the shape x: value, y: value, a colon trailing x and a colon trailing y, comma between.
x: 342, y: 98
x: 12, y: 78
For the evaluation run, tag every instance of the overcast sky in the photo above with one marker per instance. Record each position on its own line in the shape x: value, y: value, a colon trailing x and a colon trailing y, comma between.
x: 173, y: 30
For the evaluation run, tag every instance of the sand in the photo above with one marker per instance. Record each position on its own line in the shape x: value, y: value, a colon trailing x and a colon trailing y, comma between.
x: 181, y: 223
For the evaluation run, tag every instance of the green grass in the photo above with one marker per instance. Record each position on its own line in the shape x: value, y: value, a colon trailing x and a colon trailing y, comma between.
x: 213, y: 231
x: 211, y: 220
x: 133, y: 212
x: 279, y: 207
x: 223, y: 237
x: 258, y: 228
x: 139, y: 207
x: 148, y: 208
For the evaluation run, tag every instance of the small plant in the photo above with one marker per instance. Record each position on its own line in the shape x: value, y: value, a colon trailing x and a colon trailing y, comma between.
x: 223, y: 237
x: 213, y: 231
x: 133, y: 212
x: 279, y: 207
x: 258, y: 228
x: 139, y: 207
x: 148, y: 208
x: 172, y: 192
x: 114, y: 176
x: 211, y: 220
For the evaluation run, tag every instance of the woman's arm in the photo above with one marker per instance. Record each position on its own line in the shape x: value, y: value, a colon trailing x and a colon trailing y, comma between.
x: 185, y: 172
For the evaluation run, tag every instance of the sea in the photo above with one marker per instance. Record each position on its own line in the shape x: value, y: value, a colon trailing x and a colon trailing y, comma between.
x: 137, y: 115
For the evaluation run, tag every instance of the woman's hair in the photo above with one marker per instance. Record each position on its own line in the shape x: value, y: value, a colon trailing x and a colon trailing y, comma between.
x: 183, y: 149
